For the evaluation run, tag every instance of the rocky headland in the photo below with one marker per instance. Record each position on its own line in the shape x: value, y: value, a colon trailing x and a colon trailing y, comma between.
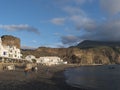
x: 8, y: 40
x: 85, y: 53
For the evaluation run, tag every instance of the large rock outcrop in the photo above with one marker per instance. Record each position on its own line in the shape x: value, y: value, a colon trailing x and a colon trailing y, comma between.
x: 10, y: 40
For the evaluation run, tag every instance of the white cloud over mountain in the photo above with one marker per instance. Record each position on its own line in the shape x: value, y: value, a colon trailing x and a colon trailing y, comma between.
x: 107, y: 30
x: 70, y: 39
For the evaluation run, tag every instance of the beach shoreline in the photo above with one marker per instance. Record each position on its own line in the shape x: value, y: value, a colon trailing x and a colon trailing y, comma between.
x: 47, y: 78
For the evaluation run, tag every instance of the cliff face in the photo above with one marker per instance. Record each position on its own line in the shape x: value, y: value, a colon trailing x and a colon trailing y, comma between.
x: 86, y: 52
x: 99, y: 55
x: 10, y: 40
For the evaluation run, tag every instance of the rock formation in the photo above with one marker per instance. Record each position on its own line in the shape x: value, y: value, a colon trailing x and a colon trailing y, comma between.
x: 10, y: 40
x: 98, y: 54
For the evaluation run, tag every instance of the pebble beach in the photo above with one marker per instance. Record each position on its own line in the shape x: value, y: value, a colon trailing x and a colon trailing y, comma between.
x: 47, y: 78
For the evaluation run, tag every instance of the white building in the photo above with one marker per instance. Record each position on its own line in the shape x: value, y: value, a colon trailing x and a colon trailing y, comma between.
x: 9, y: 51
x: 50, y: 60
x: 30, y: 58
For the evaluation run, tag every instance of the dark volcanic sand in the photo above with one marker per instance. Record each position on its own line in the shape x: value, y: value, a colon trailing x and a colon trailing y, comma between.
x: 47, y: 78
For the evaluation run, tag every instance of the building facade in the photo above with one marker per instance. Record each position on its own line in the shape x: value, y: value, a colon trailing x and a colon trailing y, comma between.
x: 30, y: 58
x: 9, y: 51
x: 50, y: 60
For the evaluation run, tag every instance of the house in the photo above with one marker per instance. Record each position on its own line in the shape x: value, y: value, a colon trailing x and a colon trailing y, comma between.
x: 9, y: 51
x: 50, y: 60
x: 30, y: 58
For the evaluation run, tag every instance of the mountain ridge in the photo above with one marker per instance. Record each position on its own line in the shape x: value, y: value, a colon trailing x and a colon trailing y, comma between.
x: 93, y: 43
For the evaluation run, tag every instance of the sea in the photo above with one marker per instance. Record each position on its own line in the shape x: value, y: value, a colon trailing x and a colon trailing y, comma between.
x: 103, y: 77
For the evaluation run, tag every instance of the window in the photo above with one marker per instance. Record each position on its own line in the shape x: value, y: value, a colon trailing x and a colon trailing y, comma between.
x: 15, y: 55
x: 4, y: 53
x: 11, y: 51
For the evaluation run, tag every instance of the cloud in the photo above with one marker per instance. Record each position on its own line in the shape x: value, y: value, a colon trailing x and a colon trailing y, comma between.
x: 34, y: 41
x: 82, y: 22
x: 109, y: 30
x: 57, y: 34
x: 58, y: 21
x: 70, y: 39
x: 111, y: 7
x: 71, y: 2
x: 21, y: 27
x: 79, y: 18
x: 28, y: 47
x: 73, y: 10
x: 80, y: 1
x: 54, y: 45
x: 83, y: 1
x: 89, y: 29
x: 105, y: 31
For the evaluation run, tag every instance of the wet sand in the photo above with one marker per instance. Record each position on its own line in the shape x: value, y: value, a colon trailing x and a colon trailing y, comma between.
x: 47, y: 78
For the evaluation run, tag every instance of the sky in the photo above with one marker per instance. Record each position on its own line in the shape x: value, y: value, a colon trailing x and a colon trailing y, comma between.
x: 60, y: 23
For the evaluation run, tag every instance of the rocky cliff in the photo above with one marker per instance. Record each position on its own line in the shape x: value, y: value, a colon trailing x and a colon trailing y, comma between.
x: 97, y: 55
x: 10, y: 40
